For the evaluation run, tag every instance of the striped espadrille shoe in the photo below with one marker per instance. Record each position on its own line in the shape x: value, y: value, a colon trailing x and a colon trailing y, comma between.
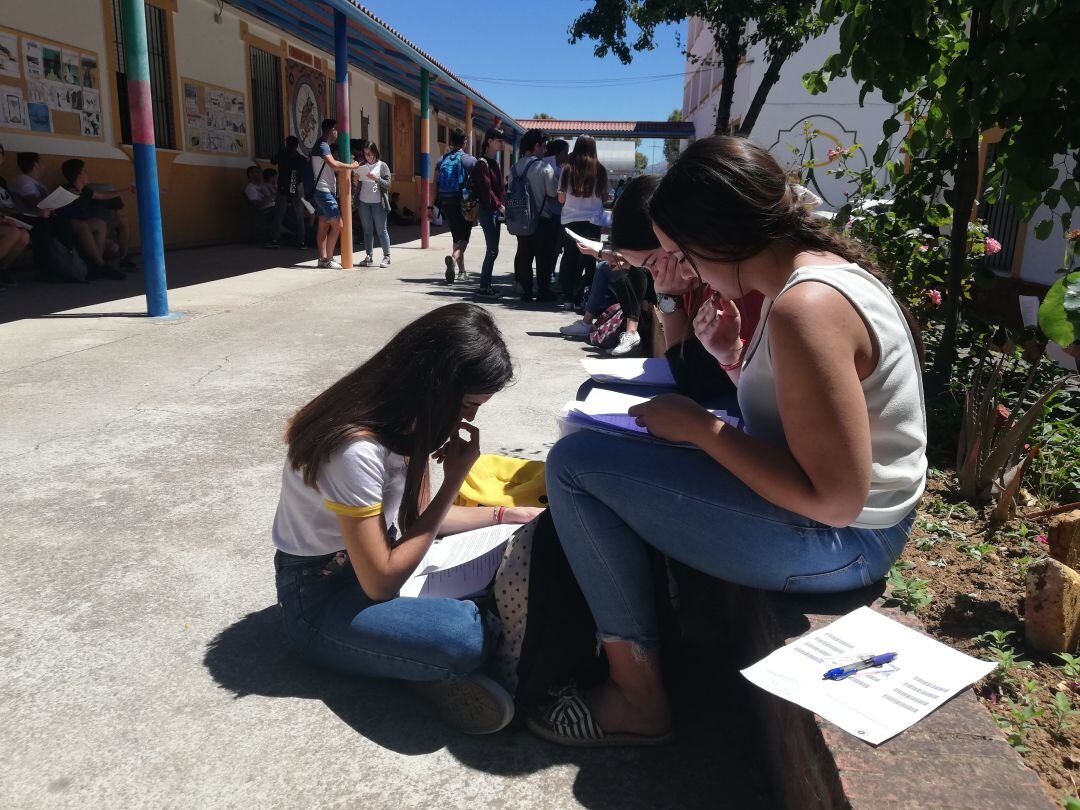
x: 568, y: 721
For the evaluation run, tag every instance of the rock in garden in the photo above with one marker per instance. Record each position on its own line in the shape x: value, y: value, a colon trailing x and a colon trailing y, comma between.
x: 1064, y: 538
x: 1052, y: 607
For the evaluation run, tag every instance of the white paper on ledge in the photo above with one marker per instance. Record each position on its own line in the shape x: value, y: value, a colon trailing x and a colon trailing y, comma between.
x: 653, y: 371
x: 460, y: 565
x: 878, y: 703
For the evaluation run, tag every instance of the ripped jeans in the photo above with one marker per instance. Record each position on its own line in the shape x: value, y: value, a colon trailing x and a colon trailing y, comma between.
x: 611, y: 498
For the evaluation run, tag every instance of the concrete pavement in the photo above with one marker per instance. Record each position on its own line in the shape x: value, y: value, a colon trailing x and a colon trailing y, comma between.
x: 139, y: 466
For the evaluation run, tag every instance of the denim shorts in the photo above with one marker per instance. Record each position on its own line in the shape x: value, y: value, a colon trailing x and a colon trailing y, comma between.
x: 326, y: 205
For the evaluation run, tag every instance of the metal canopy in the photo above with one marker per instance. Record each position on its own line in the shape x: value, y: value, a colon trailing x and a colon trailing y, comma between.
x: 612, y: 129
x: 378, y: 50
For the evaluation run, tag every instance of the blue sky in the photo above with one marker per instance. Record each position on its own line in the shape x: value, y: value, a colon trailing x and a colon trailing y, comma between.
x: 527, y: 41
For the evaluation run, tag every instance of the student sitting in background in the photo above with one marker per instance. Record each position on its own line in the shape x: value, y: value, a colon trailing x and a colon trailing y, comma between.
x: 399, y: 215
x: 13, y: 239
x: 260, y: 199
x: 89, y: 232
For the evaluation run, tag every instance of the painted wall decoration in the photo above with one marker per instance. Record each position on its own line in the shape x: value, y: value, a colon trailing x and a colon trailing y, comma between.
x: 811, y: 142
x: 306, y: 94
x: 48, y: 87
x: 215, y: 119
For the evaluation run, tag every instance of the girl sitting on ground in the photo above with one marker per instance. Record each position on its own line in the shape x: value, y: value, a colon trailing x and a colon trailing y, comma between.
x: 818, y: 494
x: 621, y: 274
x: 354, y: 518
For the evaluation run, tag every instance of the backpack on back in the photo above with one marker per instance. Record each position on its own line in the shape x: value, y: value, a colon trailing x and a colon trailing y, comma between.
x: 522, y: 214
x: 450, y: 177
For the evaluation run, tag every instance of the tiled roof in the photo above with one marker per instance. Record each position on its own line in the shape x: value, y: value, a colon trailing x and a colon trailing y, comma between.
x: 654, y: 129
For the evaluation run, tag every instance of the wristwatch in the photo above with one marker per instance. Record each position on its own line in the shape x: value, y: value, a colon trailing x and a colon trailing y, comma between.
x: 666, y: 304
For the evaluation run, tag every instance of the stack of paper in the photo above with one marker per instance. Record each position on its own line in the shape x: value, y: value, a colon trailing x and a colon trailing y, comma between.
x: 607, y: 412
x: 460, y: 565
x: 874, y: 704
x: 58, y: 199
x: 649, y: 371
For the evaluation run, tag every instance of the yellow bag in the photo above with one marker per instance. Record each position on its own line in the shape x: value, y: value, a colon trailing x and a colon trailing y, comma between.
x: 504, y: 481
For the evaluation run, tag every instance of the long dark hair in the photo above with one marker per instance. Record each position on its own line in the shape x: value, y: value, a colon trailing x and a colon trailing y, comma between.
x: 631, y: 225
x: 408, y: 396
x: 726, y: 199
x: 584, y: 176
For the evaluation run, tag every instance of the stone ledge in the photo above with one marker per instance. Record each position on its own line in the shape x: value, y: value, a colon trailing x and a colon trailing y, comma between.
x: 954, y: 758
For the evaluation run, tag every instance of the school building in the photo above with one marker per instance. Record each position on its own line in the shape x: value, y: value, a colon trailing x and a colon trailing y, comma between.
x: 798, y: 127
x: 229, y: 80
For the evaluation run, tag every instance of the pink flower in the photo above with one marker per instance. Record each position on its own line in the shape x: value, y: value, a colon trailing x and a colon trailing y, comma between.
x: 934, y: 296
x: 923, y: 248
x: 993, y: 246
x: 1041, y: 538
x: 833, y: 154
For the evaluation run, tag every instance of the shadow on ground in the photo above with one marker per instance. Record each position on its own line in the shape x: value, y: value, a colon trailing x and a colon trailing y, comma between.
x: 713, y: 764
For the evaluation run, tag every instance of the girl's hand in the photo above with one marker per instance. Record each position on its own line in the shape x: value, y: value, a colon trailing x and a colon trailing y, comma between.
x: 459, y: 454
x: 718, y: 330
x: 668, y: 276
x: 674, y: 418
x: 521, y: 514
x: 588, y: 251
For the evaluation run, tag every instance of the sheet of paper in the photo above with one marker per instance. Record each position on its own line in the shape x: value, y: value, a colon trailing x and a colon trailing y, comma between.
x: 630, y: 370
x: 460, y: 565
x: 606, y: 411
x: 592, y: 244
x: 878, y: 703
x: 1029, y: 309
x: 15, y: 223
x: 58, y: 199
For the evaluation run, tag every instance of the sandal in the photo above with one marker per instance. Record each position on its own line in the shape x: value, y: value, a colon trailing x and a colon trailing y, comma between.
x: 569, y: 721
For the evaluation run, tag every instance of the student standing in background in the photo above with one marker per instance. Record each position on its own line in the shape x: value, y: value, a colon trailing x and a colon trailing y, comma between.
x: 374, y: 204
x: 491, y: 195
x: 556, y: 156
x: 583, y: 189
x: 323, y: 166
x: 452, y: 175
x: 540, y: 178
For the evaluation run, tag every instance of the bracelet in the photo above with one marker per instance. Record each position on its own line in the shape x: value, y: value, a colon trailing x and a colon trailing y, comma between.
x: 738, y: 363
x: 500, y: 513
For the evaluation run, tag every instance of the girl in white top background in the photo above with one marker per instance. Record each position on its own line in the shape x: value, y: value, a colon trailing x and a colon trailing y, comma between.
x: 818, y: 495
x: 374, y: 204
x: 583, y: 189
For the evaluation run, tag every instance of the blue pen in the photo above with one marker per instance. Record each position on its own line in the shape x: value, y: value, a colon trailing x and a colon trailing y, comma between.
x: 839, y: 673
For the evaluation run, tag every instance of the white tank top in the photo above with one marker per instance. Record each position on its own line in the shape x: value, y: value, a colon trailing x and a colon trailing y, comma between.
x: 893, y: 391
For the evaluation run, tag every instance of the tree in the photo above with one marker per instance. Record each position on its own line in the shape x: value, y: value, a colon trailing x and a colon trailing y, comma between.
x: 956, y: 68
x: 736, y: 25
x: 640, y: 161
x: 671, y: 145
x: 543, y: 117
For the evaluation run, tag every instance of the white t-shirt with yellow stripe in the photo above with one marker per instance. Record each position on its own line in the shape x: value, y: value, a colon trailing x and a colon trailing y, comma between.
x: 360, y: 479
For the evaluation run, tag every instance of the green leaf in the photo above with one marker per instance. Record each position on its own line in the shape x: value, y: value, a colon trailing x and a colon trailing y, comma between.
x: 1059, y: 313
x: 1043, y: 229
x: 1070, y: 803
x: 890, y: 126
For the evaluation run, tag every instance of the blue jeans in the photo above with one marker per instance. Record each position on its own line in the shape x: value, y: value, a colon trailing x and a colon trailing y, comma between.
x: 600, y: 294
x: 611, y: 498
x: 331, y: 622
x: 373, y: 218
x: 489, y: 224
x: 326, y: 205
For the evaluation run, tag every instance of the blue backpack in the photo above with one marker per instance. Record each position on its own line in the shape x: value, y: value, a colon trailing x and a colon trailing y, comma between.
x: 450, y: 177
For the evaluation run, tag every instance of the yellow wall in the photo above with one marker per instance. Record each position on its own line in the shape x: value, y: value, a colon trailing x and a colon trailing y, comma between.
x: 201, y: 194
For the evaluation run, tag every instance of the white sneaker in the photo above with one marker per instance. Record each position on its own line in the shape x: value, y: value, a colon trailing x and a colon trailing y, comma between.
x: 367, y: 262
x: 385, y: 261
x: 474, y: 704
x: 628, y: 341
x: 576, y: 329
x: 462, y: 276
x: 329, y: 264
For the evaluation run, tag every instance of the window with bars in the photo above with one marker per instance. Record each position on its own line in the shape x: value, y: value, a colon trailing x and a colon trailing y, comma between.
x: 386, y: 132
x: 331, y: 101
x: 1002, y: 222
x: 266, y: 113
x: 161, y: 82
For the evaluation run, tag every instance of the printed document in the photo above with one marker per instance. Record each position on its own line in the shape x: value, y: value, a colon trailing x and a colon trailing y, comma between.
x: 877, y: 703
x: 460, y: 565
x: 58, y: 199
x: 606, y: 412
x: 593, y: 244
x: 630, y: 371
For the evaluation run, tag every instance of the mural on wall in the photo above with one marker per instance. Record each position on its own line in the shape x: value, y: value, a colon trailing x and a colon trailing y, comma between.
x: 48, y: 87
x: 812, y: 144
x: 306, y: 94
